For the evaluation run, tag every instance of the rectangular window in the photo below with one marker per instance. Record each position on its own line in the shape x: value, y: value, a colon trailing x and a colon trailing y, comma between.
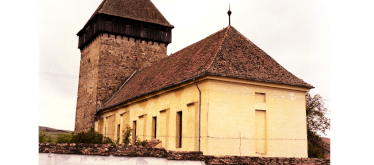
x: 133, y: 131
x: 260, y: 97
x: 118, y: 131
x: 260, y: 101
x: 154, y: 127
x: 179, y: 130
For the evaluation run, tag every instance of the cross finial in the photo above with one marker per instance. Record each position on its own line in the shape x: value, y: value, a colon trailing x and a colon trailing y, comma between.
x: 229, y: 13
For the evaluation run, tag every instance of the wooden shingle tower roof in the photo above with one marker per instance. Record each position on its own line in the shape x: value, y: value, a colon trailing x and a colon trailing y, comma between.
x: 141, y: 10
x: 139, y: 19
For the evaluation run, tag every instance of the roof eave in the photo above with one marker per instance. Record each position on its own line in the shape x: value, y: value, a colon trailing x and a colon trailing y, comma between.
x: 191, y: 79
x: 155, y: 91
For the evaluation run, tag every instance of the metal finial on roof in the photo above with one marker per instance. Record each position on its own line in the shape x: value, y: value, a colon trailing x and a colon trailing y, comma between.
x: 229, y: 13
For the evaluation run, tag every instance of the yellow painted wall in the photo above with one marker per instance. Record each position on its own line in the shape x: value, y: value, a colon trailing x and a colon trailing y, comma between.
x: 165, y: 107
x: 232, y: 114
x: 228, y: 112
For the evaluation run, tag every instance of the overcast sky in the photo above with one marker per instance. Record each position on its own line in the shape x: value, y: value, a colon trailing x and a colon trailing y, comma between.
x: 293, y: 32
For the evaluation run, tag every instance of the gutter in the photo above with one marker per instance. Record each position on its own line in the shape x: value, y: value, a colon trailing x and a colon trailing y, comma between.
x: 199, y: 111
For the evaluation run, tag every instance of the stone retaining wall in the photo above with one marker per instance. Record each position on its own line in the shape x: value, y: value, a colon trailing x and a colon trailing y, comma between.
x: 171, y: 156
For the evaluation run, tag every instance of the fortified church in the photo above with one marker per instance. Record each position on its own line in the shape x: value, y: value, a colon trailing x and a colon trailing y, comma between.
x: 222, y: 95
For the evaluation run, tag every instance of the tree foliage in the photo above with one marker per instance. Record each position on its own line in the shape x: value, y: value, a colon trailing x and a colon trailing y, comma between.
x: 317, y: 122
x: 316, y: 114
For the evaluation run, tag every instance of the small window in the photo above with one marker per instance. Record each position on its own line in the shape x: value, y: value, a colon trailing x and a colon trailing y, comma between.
x: 154, y: 127
x: 118, y: 131
x: 260, y: 97
x: 133, y: 131
x: 179, y: 130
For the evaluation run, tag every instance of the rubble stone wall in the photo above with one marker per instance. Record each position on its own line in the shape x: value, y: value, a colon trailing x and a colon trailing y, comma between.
x: 105, y: 65
x: 118, y: 154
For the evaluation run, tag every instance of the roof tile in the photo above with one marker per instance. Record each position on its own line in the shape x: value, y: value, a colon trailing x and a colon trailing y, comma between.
x: 225, y: 53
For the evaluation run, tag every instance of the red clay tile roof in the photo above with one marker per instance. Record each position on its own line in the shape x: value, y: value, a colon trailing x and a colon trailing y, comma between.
x: 141, y: 10
x: 225, y: 53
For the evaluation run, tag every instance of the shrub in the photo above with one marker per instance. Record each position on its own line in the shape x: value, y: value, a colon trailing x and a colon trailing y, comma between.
x: 138, y: 142
x: 90, y: 137
x: 126, y: 138
x: 64, y: 138
x: 108, y: 141
x: 45, y: 137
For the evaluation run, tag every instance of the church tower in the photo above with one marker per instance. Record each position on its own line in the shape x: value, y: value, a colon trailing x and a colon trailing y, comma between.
x: 122, y: 36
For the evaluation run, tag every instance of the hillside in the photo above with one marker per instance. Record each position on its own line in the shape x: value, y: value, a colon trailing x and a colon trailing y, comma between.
x: 48, y: 129
x: 53, y: 132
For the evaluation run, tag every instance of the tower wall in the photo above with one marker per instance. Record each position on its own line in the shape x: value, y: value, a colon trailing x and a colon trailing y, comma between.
x: 105, y: 65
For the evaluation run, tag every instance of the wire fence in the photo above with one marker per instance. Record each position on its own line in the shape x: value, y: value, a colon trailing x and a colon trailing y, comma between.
x: 211, y: 137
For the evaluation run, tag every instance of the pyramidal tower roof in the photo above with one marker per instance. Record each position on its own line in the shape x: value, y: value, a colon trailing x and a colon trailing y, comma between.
x: 225, y: 53
x: 141, y: 10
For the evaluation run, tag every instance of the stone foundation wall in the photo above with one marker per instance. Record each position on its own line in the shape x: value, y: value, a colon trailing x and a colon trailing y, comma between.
x: 105, y: 65
x: 176, y: 156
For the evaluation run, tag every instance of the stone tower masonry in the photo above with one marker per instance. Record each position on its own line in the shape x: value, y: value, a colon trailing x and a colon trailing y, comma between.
x: 120, y: 37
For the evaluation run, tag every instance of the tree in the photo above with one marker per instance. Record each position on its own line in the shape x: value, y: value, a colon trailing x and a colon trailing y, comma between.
x: 317, y: 122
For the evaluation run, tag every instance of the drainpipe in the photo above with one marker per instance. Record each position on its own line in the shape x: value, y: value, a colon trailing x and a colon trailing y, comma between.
x: 199, y: 109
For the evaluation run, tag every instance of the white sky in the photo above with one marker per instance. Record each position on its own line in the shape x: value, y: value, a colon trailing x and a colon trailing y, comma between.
x: 293, y: 32
x: 39, y: 36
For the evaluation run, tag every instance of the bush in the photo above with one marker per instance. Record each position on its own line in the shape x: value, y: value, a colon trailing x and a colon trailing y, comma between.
x: 45, y: 137
x: 126, y: 138
x: 138, y: 142
x: 90, y: 137
x: 64, y: 138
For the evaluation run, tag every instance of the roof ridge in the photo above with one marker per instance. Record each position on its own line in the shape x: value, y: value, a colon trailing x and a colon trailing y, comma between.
x: 220, y: 46
x: 195, y: 43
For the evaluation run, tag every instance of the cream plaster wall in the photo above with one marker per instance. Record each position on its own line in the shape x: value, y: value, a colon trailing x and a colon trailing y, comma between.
x: 165, y: 107
x: 228, y: 108
x: 232, y: 107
